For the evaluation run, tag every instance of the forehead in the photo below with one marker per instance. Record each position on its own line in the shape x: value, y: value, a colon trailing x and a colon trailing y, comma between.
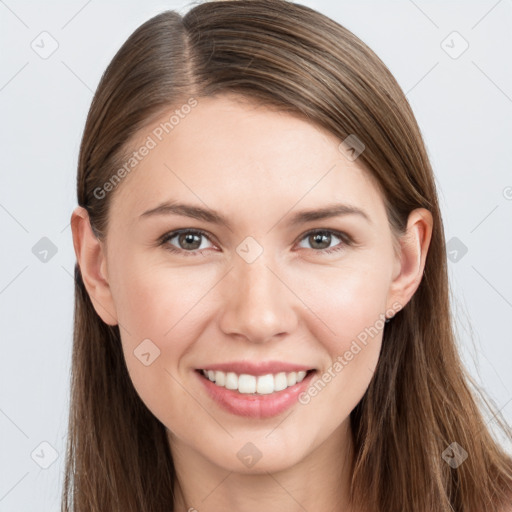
x: 234, y: 155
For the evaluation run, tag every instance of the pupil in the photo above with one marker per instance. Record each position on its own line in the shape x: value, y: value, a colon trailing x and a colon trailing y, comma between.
x: 188, y: 238
x: 317, y: 237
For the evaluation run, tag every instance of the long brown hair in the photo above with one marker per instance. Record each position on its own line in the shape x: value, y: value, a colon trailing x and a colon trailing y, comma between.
x: 419, y: 401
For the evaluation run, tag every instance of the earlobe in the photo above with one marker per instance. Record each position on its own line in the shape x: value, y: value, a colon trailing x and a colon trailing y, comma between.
x: 414, y: 248
x: 92, y: 261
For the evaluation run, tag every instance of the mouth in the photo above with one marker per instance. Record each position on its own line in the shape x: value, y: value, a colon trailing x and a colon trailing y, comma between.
x: 254, y: 396
x: 255, y: 385
x: 255, y: 391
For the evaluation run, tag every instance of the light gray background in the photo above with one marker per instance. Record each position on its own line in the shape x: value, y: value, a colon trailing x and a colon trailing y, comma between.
x: 463, y: 106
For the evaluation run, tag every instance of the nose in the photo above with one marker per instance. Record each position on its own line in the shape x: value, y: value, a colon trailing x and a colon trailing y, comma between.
x: 258, y: 304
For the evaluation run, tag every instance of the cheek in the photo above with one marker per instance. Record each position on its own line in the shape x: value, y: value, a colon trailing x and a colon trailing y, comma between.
x: 153, y: 301
x: 160, y: 311
x: 348, y: 302
x: 349, y: 306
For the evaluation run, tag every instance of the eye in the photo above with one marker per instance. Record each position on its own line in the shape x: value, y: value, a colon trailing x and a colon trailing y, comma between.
x: 321, y: 239
x: 189, y: 241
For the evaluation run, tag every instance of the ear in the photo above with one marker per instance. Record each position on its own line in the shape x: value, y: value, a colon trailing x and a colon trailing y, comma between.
x: 91, y: 257
x: 410, y: 263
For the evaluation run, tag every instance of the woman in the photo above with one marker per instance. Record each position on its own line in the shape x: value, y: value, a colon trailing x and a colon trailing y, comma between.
x: 224, y: 360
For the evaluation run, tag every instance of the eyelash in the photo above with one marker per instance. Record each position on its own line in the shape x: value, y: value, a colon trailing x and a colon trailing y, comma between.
x: 346, y: 240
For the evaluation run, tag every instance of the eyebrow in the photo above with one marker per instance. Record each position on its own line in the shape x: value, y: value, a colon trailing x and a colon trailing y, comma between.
x: 209, y: 215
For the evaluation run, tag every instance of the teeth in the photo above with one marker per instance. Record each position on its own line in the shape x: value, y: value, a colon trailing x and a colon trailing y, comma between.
x: 291, y: 378
x: 231, y: 381
x: 280, y: 381
x: 265, y: 384
x: 247, y: 384
x: 220, y: 378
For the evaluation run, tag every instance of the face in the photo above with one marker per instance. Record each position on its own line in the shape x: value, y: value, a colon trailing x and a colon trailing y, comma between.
x: 266, y: 291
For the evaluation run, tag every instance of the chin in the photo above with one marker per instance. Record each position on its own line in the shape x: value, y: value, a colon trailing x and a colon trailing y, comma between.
x: 256, y: 456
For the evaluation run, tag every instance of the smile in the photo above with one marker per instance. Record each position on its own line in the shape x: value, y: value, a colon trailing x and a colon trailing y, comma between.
x: 252, y: 384
x: 255, y: 390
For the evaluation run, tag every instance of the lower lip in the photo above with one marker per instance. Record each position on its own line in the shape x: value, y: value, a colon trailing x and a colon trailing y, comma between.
x: 255, y: 406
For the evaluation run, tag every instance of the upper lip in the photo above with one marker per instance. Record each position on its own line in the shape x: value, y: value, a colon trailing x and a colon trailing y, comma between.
x: 262, y: 368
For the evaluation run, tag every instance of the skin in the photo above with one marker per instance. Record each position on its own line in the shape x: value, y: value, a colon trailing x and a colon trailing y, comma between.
x: 293, y: 303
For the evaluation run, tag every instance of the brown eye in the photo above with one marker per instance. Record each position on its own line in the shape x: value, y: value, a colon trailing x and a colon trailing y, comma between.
x: 188, y: 241
x: 321, y: 239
